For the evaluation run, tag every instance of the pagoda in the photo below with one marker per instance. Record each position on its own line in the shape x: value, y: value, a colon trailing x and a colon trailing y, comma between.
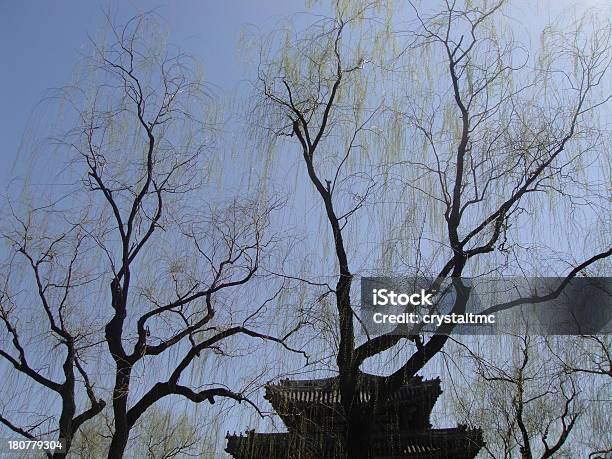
x: 312, y: 413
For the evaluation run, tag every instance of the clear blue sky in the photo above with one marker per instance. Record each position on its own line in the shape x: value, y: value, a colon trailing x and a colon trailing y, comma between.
x: 42, y: 40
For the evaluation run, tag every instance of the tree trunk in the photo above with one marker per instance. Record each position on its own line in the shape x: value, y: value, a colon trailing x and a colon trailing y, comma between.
x: 120, y: 398
x: 357, y: 439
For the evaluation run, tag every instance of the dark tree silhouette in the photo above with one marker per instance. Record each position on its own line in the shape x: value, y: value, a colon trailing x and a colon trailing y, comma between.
x: 501, y: 132
x: 167, y: 264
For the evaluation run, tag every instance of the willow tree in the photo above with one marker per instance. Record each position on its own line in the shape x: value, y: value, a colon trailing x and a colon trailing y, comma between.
x: 160, y: 262
x: 532, y: 400
x: 49, y: 390
x: 453, y: 145
x: 143, y: 142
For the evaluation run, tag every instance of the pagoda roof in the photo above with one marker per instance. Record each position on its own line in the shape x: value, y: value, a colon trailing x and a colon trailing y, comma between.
x: 453, y: 443
x: 327, y: 390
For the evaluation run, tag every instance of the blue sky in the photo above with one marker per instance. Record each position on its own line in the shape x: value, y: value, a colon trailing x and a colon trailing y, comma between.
x: 42, y: 44
x: 42, y: 41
